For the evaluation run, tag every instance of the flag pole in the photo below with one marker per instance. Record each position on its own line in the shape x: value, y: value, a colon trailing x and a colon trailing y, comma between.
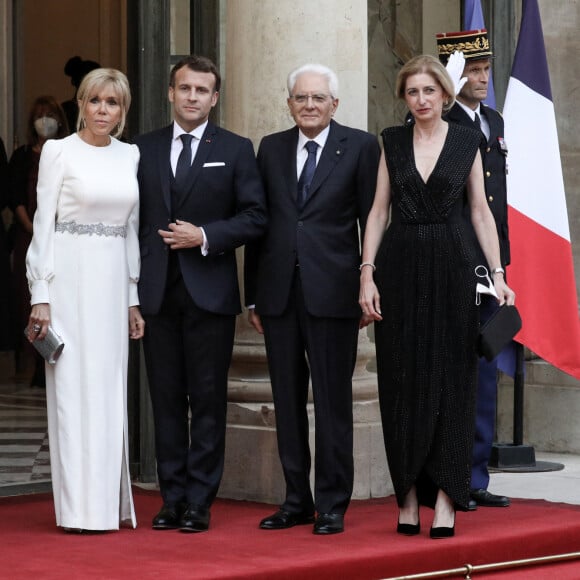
x: 519, y: 398
x: 518, y: 457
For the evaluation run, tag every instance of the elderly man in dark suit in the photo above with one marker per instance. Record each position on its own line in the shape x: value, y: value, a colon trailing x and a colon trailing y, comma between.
x: 200, y: 198
x: 470, y: 111
x: 303, y: 278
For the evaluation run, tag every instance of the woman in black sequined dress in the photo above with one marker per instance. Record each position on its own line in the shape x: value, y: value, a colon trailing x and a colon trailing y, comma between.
x: 418, y: 284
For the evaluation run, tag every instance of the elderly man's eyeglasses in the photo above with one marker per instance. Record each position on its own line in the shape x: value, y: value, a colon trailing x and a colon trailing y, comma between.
x: 318, y: 99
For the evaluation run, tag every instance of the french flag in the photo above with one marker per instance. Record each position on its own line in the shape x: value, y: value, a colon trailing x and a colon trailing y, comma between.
x: 541, y: 271
x: 473, y: 20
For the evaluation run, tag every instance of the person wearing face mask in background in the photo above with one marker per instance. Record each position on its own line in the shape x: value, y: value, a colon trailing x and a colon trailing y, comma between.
x: 45, y: 121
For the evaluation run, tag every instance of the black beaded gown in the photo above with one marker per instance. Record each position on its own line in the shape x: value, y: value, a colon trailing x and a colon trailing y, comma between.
x: 426, y: 358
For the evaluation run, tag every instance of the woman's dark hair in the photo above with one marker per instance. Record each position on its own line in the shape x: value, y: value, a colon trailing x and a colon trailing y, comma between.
x: 76, y: 68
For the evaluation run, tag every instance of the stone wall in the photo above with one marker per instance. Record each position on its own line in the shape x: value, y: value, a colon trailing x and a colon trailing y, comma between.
x: 397, y: 31
x: 550, y: 411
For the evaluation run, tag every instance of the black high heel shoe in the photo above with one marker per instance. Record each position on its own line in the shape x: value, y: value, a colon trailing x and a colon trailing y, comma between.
x: 408, y: 529
x: 442, y: 531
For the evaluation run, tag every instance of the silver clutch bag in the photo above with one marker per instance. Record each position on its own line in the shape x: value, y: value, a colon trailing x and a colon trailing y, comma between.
x: 49, y: 347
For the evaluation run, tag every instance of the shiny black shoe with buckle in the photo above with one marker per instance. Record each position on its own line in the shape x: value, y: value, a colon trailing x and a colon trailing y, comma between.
x: 484, y: 498
x: 282, y: 520
x: 168, y: 516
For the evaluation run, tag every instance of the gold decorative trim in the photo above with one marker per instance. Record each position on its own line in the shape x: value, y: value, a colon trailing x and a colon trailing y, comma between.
x: 479, y: 45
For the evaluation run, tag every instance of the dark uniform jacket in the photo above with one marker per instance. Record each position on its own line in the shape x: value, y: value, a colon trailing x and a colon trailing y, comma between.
x: 494, y: 156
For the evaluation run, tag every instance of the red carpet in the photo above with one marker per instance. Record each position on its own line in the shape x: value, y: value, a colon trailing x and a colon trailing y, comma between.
x: 32, y: 547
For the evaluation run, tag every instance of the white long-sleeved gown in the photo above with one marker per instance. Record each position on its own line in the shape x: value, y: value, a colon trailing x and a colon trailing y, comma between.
x: 84, y: 261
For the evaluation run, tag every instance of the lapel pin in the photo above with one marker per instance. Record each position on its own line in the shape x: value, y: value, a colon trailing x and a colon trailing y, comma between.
x: 338, y: 151
x: 208, y: 140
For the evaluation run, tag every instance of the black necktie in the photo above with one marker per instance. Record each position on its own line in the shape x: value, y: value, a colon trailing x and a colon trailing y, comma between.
x: 477, y: 122
x: 184, y: 161
x: 307, y: 172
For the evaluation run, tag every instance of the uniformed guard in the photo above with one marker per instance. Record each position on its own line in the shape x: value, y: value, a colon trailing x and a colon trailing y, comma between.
x: 470, y: 111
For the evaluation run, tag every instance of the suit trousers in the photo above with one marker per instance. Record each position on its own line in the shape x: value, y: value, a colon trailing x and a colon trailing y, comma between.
x: 188, y: 353
x: 485, y: 410
x: 298, y: 346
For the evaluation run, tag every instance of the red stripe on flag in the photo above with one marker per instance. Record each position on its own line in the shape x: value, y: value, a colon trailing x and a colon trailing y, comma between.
x: 542, y: 275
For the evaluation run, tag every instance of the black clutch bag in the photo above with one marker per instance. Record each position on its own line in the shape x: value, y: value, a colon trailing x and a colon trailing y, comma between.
x: 498, y: 331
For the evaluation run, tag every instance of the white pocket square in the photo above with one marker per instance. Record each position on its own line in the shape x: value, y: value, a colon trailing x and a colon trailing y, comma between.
x: 215, y: 164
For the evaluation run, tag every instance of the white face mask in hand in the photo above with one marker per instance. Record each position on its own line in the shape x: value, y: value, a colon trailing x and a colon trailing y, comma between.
x: 46, y: 127
x: 481, y: 272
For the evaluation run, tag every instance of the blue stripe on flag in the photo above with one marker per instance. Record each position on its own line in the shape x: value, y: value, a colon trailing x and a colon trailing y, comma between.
x: 530, y: 64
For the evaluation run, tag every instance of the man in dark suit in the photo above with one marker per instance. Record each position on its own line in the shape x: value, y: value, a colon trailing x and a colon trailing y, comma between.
x: 303, y: 279
x: 470, y: 111
x: 200, y: 197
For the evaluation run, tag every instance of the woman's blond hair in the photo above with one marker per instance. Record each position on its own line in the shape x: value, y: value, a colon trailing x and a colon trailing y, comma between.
x: 426, y: 64
x: 94, y: 82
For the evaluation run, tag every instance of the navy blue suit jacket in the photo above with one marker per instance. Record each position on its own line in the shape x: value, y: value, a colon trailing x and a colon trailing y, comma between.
x: 224, y: 196
x: 323, y: 235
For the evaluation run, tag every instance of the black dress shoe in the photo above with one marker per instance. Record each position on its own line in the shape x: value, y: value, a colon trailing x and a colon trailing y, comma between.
x: 168, y: 517
x: 472, y: 505
x: 283, y: 519
x: 194, y: 519
x: 484, y: 498
x: 329, y: 524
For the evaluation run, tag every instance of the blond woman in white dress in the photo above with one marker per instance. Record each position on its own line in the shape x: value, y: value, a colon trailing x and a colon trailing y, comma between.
x: 83, y: 268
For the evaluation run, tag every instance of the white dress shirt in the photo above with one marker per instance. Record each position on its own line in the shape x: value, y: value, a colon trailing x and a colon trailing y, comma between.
x: 176, y: 148
x: 177, y: 143
x: 301, y: 151
x: 482, y: 118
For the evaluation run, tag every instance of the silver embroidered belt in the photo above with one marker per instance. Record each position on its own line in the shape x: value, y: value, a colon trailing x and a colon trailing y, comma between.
x: 90, y: 229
